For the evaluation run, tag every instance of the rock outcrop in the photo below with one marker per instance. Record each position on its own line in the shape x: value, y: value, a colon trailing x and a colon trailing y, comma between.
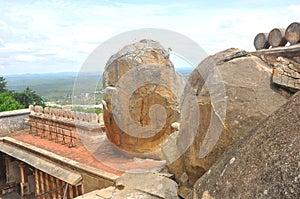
x: 145, y: 185
x: 141, y: 97
x: 265, y: 164
x: 232, y: 96
x: 139, y: 186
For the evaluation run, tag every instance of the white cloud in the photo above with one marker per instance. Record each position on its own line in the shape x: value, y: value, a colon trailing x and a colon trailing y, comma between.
x: 92, y: 33
x: 29, y: 58
x: 28, y: 46
x: 1, y: 43
x: 67, y: 32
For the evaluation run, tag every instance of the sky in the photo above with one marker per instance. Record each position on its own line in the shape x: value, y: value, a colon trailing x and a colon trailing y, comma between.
x: 49, y: 36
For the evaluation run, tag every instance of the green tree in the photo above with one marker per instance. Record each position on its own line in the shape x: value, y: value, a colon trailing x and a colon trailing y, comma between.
x: 2, y: 85
x: 8, y: 103
x: 11, y: 100
x: 28, y: 97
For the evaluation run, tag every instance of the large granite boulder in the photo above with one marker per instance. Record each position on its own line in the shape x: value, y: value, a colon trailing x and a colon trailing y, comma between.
x: 265, y: 164
x: 141, y: 97
x: 225, y: 97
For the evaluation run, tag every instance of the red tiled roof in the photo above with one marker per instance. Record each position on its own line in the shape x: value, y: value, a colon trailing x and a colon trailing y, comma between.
x: 78, y: 153
x: 107, y: 157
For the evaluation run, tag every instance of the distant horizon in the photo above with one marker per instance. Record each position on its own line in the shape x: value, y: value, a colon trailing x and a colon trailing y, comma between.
x: 37, y: 73
x: 74, y: 72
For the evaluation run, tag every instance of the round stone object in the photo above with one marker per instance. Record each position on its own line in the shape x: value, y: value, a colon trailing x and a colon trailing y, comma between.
x: 141, y: 97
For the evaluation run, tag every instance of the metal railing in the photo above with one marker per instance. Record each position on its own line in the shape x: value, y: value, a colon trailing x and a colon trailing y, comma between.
x: 53, y: 131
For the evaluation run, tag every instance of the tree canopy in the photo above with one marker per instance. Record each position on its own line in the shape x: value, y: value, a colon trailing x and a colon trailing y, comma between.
x: 11, y: 100
x: 2, y: 85
x: 8, y: 103
x: 28, y: 97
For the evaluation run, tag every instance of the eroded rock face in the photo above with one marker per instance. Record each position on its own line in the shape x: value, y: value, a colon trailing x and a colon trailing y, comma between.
x: 249, y: 98
x: 141, y: 97
x: 265, y: 164
x: 286, y: 73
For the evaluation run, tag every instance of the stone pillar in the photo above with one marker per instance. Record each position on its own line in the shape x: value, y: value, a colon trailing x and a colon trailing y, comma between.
x: 50, y: 186
x: 54, y: 186
x: 61, y: 189
x: 74, y: 190
x: 37, y: 182
x: 7, y: 165
x: 46, y: 182
x: 23, y: 180
x: 80, y: 190
x: 43, y: 187
x: 70, y: 191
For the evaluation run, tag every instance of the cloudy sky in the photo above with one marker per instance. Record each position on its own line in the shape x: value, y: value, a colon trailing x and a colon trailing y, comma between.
x: 44, y: 36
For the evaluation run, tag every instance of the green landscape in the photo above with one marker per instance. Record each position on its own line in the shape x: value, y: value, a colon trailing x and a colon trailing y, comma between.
x: 59, y: 87
x: 13, y: 100
x: 53, y: 87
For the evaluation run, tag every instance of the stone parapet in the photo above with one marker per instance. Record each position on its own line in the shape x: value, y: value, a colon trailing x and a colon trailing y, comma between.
x: 11, y: 121
x: 62, y: 125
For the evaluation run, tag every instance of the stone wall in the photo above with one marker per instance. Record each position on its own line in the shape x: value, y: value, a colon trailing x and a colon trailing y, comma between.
x: 66, y: 115
x: 63, y: 126
x: 11, y: 121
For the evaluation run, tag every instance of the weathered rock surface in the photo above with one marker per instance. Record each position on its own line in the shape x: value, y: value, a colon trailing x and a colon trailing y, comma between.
x: 210, y: 125
x: 145, y: 185
x: 265, y: 164
x: 136, y: 80
x: 140, y: 186
x: 286, y: 73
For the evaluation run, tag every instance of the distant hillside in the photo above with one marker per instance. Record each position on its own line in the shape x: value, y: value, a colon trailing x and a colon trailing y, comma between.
x: 52, y: 86
x: 57, y: 86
